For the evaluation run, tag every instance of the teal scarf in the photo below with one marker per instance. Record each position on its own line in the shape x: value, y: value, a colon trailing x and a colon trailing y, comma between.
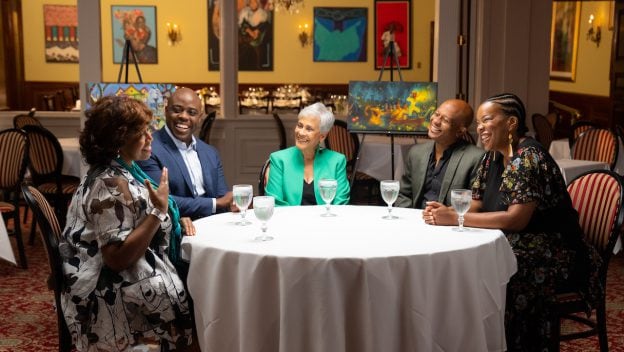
x: 175, y: 237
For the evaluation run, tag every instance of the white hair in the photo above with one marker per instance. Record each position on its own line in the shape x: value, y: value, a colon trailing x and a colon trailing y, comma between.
x: 320, y: 112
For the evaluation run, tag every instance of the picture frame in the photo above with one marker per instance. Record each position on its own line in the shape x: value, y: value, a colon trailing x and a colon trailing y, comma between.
x: 393, y: 21
x: 619, y: 52
x: 61, y: 33
x: 340, y: 34
x: 255, y: 35
x: 138, y: 24
x: 564, y: 39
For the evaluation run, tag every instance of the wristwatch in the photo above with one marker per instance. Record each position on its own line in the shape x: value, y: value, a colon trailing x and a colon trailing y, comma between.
x: 162, y: 216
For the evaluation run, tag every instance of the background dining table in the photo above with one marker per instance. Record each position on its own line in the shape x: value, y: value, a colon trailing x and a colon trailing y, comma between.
x: 354, y: 282
x: 72, y: 159
x: 375, y: 152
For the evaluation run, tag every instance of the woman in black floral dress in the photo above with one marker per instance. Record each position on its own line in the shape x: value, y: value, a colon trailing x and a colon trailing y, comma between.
x: 520, y: 190
x: 121, y: 288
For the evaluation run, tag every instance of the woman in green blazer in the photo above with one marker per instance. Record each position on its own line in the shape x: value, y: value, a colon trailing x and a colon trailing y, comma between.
x: 295, y: 171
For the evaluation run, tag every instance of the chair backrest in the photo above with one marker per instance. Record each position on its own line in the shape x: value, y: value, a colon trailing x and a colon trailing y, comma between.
x: 45, y: 157
x: 263, y: 178
x: 13, y: 158
x: 22, y: 120
x: 281, y: 131
x: 597, y: 144
x: 579, y: 127
x: 543, y: 130
x: 339, y: 139
x: 204, y: 132
x: 51, y: 233
x: 597, y: 196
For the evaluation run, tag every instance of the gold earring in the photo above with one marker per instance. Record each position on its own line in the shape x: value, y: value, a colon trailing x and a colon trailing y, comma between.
x: 510, y: 151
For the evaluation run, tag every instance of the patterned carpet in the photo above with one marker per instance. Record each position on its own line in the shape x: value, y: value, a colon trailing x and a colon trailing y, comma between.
x: 28, y: 319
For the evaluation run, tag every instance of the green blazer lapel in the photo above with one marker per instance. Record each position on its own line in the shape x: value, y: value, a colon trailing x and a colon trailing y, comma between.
x: 451, y: 170
x: 293, y: 176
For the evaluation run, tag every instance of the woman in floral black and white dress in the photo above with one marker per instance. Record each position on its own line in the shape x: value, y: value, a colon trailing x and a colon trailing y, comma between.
x: 120, y: 239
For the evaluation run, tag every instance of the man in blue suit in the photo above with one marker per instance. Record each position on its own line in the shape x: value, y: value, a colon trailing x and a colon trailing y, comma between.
x: 196, y: 179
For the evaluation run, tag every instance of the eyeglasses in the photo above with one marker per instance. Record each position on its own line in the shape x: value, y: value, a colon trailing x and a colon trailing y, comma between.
x: 177, y: 109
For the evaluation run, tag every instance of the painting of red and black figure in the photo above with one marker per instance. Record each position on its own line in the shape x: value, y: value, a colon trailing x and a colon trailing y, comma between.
x: 393, y: 25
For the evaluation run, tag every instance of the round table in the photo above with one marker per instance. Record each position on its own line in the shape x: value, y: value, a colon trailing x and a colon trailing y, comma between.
x: 354, y: 282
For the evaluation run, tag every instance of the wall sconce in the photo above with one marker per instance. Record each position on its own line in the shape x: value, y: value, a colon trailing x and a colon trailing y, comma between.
x: 305, y: 37
x: 593, y: 34
x: 173, y: 32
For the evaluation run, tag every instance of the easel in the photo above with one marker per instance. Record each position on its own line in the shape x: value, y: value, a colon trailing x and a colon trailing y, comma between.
x: 125, y: 60
x: 390, y: 54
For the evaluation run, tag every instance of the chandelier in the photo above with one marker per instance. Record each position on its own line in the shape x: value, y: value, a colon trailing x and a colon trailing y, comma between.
x: 291, y: 6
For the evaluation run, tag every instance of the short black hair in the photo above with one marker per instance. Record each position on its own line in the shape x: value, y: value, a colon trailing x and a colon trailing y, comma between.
x: 512, y: 106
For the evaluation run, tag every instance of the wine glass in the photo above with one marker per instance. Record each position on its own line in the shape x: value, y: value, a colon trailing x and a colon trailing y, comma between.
x: 389, y: 193
x: 460, y: 199
x: 327, y: 188
x: 263, y: 209
x: 242, y: 198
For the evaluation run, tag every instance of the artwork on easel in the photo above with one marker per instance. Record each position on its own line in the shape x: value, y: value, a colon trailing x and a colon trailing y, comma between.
x: 61, y: 33
x: 154, y: 95
x: 400, y: 107
x: 137, y: 24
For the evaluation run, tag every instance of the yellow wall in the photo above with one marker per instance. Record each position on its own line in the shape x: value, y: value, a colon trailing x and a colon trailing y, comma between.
x: 35, y: 66
x: 187, y: 61
x: 593, y: 63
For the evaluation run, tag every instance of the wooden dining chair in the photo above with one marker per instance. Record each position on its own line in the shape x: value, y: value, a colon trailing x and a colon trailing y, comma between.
x: 13, y: 157
x: 281, y: 131
x: 596, y: 144
x: 206, y: 127
x: 543, y: 130
x: 51, y: 235
x: 263, y: 177
x: 579, y: 127
x: 22, y: 120
x: 339, y: 139
x: 597, y: 196
x: 45, y: 162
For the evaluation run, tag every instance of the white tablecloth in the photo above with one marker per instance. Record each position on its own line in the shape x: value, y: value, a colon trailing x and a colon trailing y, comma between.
x: 560, y: 149
x: 571, y: 168
x: 353, y: 282
x: 6, y: 251
x: 72, y: 158
x: 375, y: 158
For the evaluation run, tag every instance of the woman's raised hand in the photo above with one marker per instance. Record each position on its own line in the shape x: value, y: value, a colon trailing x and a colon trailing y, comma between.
x: 160, y: 196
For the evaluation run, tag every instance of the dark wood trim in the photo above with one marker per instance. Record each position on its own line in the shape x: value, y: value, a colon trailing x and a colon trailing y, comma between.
x: 11, y: 12
x: 592, y: 107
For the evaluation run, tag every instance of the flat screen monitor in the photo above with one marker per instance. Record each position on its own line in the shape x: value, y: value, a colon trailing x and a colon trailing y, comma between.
x: 391, y: 107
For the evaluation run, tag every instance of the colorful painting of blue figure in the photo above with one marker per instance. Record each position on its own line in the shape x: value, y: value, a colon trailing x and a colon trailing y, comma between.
x: 340, y: 34
x: 154, y: 95
x: 402, y: 107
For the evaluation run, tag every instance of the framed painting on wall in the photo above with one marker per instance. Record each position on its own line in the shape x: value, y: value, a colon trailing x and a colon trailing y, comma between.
x: 255, y: 35
x: 61, y: 33
x: 137, y: 24
x: 340, y: 34
x: 393, y: 25
x: 564, y: 40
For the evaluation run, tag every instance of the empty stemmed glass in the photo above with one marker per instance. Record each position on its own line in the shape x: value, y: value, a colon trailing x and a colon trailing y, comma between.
x: 327, y: 189
x: 460, y: 200
x: 263, y: 209
x: 242, y: 198
x: 389, y: 193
